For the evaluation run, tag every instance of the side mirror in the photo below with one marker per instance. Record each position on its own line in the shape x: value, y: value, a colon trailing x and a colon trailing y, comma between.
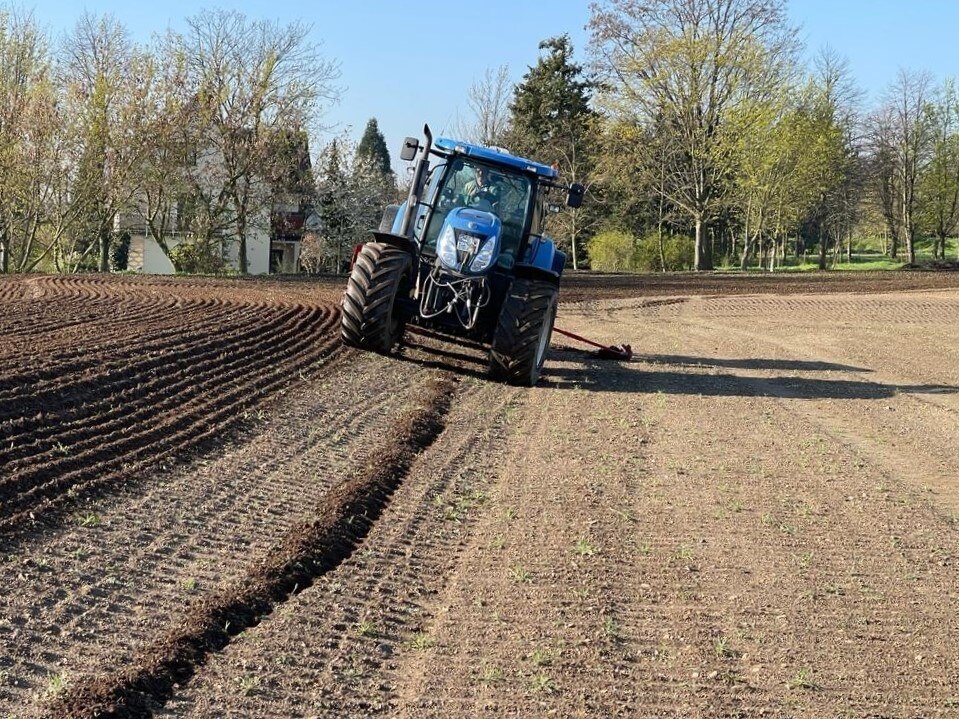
x: 410, y: 146
x: 574, y: 196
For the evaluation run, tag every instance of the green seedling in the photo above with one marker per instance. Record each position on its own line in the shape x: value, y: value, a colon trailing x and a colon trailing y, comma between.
x: 542, y: 683
x: 611, y: 628
x: 421, y: 640
x: 89, y: 520
x: 490, y: 674
x: 583, y: 548
x: 366, y: 628
x: 685, y: 552
x: 248, y: 684
x: 520, y: 574
x: 803, y: 680
x: 541, y: 658
x: 56, y: 685
x: 721, y: 648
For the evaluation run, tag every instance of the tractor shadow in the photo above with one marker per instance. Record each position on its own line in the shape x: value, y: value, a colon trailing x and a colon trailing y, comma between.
x: 433, y: 351
x: 591, y: 374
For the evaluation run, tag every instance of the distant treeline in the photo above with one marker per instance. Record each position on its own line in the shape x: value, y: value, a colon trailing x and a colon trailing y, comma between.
x: 701, y: 136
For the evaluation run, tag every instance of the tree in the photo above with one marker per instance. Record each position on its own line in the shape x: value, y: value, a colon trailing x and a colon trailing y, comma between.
x: 25, y: 128
x: 903, y: 141
x: 103, y: 77
x: 488, y: 100
x: 939, y: 184
x: 351, y: 194
x: 830, y: 169
x: 372, y: 149
x: 249, y: 80
x: 684, y: 65
x: 551, y: 121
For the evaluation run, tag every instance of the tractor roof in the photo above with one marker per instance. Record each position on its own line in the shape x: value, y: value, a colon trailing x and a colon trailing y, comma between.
x: 497, y: 157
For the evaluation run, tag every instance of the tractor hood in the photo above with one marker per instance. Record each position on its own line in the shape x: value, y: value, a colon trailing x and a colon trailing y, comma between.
x: 469, y: 242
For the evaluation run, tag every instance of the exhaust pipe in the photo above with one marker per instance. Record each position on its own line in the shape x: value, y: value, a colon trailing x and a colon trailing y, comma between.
x: 416, y: 187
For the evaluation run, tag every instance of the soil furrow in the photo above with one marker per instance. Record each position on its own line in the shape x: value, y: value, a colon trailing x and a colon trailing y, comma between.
x: 175, y: 436
x: 157, y: 547
x: 72, y: 394
x: 184, y: 376
x: 306, y: 553
x: 369, y: 614
x: 114, y: 343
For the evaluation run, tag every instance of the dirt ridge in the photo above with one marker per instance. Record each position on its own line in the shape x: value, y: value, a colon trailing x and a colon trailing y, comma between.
x: 306, y: 553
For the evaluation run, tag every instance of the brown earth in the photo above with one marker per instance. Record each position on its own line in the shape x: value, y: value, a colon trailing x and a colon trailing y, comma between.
x: 757, y: 516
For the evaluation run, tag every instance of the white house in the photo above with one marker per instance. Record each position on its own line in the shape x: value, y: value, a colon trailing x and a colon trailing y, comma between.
x: 272, y: 236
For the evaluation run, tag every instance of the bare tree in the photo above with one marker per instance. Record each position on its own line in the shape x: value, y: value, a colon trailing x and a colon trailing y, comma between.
x: 251, y: 80
x: 904, y: 135
x: 488, y: 102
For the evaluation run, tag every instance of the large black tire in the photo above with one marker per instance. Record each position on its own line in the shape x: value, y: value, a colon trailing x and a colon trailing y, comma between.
x: 523, y: 331
x: 369, y: 320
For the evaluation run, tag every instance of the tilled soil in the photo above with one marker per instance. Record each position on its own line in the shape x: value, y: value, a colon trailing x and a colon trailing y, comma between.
x: 757, y: 516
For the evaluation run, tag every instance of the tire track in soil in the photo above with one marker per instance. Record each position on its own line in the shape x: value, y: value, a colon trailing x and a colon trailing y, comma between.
x: 363, y: 620
x: 340, y: 523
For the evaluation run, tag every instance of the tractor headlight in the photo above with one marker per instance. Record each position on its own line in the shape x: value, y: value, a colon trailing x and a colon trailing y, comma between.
x: 485, y: 257
x: 446, y: 247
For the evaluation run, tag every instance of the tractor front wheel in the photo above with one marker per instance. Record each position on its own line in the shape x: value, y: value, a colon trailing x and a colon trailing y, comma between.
x: 369, y: 318
x: 523, y: 331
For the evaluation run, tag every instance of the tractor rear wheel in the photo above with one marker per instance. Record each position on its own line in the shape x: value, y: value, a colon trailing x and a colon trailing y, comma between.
x: 523, y: 331
x: 369, y: 318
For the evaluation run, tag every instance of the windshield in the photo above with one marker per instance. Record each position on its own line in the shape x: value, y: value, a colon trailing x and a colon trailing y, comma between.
x: 467, y: 183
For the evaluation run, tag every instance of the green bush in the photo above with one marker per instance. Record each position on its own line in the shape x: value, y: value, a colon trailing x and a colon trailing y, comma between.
x: 615, y: 251
x: 193, y: 258
x: 679, y: 252
x: 612, y: 251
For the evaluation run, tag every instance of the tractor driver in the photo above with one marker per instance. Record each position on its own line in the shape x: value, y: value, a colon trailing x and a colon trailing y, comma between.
x: 481, y: 191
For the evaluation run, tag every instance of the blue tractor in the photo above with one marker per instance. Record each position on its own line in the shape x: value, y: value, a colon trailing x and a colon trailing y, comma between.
x: 464, y: 256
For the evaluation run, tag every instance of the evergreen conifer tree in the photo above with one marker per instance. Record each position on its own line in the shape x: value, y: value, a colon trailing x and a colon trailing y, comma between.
x: 372, y: 148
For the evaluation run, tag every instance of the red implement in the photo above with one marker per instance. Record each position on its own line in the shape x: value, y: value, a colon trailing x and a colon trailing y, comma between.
x: 613, y: 352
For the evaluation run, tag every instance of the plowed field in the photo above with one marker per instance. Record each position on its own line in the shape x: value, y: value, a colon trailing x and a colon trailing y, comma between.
x: 208, y: 508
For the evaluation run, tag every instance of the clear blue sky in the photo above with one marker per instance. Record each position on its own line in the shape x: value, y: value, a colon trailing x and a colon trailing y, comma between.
x: 394, y: 70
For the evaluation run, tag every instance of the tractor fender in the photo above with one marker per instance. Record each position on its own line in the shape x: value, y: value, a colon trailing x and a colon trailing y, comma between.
x: 398, y: 241
x: 532, y: 272
x: 542, y: 256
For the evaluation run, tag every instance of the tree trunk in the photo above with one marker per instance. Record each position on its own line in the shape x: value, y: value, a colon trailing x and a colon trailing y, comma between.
x: 241, y: 231
x: 572, y: 239
x: 822, y: 250
x: 702, y: 259
x: 4, y: 252
x: 104, y: 248
x: 662, y: 247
